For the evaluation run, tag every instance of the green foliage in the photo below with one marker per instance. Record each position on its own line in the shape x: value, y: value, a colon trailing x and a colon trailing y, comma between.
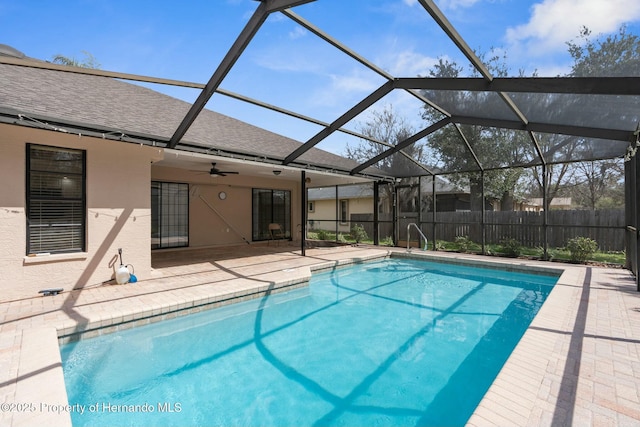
x: 358, y: 233
x: 463, y: 243
x: 387, y: 241
x: 341, y: 238
x: 614, y: 55
x: 438, y: 245
x: 581, y: 248
x: 89, y: 61
x: 322, y: 235
x: 511, y: 247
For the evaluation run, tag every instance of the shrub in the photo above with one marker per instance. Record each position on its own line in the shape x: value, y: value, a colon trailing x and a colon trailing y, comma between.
x: 439, y: 246
x: 581, y: 248
x: 358, y: 233
x: 322, y: 235
x: 551, y: 253
x: 463, y: 243
x: 387, y: 241
x: 511, y: 247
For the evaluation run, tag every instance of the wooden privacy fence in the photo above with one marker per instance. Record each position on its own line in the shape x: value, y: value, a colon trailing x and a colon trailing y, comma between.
x: 607, y: 227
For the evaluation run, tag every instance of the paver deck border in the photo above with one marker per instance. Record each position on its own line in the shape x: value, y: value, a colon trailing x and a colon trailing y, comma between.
x: 540, y: 384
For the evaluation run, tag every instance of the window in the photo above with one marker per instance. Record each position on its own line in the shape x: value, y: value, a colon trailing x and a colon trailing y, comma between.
x: 56, y: 202
x: 169, y: 215
x: 344, y: 211
x: 270, y: 206
x: 311, y: 207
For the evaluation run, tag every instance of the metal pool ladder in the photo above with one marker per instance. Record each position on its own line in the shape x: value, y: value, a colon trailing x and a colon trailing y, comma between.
x: 419, y: 231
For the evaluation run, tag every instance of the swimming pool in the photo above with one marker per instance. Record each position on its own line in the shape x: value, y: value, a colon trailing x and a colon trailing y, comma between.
x: 392, y: 342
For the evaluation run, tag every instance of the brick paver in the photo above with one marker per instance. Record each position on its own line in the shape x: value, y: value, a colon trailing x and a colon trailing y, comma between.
x: 576, y: 365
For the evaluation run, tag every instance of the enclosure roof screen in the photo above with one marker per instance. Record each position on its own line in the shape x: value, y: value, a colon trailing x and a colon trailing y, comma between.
x: 375, y: 88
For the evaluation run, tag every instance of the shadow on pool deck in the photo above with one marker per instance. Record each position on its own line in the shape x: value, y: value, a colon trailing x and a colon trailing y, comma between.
x: 577, y: 364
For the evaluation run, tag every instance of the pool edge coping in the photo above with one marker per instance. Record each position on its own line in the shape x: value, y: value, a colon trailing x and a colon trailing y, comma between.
x: 55, y: 376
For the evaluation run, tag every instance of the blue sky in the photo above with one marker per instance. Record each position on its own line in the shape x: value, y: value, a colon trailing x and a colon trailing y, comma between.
x: 286, y: 65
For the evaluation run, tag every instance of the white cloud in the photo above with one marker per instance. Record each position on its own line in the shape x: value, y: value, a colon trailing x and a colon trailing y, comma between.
x: 297, y: 32
x: 456, y: 4
x: 409, y: 64
x: 554, y: 22
x: 353, y: 83
x: 345, y: 88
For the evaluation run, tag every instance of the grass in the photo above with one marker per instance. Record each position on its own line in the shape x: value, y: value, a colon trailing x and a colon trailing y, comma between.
x: 557, y: 254
x: 331, y: 237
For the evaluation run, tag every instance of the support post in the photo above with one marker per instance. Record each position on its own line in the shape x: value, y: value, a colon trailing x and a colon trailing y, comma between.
x: 545, y: 214
x: 483, y: 214
x: 303, y: 212
x: 435, y: 197
x: 337, y: 213
x: 394, y: 215
x: 636, y: 216
x: 376, y: 200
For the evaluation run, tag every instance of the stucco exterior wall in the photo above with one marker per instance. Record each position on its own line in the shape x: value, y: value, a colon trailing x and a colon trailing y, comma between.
x: 324, y: 214
x: 216, y: 222
x: 118, y: 214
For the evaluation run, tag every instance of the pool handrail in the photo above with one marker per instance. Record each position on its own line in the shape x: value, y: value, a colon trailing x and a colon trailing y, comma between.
x: 419, y: 231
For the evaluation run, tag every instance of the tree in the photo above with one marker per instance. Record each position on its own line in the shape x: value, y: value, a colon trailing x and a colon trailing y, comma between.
x: 615, y: 55
x: 612, y: 55
x: 492, y: 147
x: 599, y: 184
x: 386, y: 126
x: 89, y: 61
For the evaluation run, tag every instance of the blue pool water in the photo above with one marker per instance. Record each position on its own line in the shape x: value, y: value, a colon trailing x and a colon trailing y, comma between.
x: 387, y: 343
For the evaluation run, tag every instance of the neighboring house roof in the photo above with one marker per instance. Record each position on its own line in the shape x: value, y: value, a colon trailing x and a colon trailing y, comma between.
x: 361, y: 191
x: 344, y: 192
x: 556, y: 201
x: 96, y: 102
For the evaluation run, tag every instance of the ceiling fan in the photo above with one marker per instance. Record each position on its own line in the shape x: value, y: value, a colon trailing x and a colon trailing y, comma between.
x: 217, y: 172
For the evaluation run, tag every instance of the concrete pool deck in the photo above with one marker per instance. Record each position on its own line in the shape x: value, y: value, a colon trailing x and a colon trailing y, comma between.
x: 577, y: 364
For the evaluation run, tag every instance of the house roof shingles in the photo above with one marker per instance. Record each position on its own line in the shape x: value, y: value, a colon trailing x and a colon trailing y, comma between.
x: 103, y: 102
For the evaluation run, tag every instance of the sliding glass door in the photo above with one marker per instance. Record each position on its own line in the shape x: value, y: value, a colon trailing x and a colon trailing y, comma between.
x: 169, y: 215
x: 270, y: 206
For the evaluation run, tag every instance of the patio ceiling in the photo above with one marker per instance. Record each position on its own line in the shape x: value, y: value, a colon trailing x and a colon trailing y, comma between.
x: 598, y: 117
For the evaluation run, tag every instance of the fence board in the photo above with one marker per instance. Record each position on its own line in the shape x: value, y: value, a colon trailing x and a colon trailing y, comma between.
x: 604, y: 226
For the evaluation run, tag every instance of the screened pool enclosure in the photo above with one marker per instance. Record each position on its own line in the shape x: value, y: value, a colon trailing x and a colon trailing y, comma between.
x: 485, y: 161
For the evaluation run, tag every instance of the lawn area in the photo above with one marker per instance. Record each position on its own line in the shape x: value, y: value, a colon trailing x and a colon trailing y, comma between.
x: 464, y: 245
